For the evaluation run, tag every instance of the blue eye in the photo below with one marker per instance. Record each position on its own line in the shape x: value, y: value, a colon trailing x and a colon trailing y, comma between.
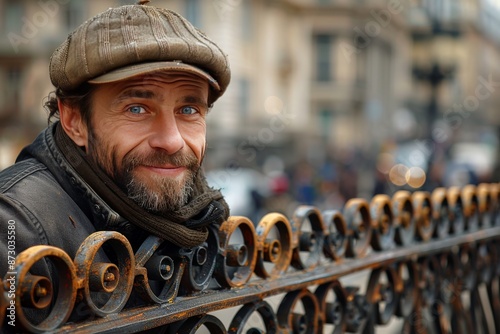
x: 137, y: 110
x: 188, y: 110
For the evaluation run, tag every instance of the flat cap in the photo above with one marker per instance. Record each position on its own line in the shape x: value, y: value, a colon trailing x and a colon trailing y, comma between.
x: 132, y: 40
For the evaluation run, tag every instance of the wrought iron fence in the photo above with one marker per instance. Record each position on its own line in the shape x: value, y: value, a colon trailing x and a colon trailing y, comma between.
x: 431, y: 262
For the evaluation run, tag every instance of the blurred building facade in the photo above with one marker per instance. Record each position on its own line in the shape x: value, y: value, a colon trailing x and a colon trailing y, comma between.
x: 456, y: 70
x: 313, y: 80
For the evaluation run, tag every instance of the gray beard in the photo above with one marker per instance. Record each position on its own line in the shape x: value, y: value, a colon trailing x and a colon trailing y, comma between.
x: 171, y: 195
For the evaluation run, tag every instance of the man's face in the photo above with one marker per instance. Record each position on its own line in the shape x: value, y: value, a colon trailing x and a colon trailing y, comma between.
x: 148, y: 135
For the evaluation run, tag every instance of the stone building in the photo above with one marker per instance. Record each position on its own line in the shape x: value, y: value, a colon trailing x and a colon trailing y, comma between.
x: 311, y: 78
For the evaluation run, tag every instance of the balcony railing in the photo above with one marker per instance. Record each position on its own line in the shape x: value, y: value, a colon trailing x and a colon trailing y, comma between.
x: 431, y: 263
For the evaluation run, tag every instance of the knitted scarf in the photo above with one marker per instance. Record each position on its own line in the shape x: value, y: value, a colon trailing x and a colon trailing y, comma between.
x: 185, y: 227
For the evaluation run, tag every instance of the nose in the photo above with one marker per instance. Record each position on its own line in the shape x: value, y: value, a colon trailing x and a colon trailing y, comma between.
x: 165, y: 135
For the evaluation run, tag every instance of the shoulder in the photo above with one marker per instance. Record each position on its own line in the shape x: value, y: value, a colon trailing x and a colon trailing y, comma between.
x: 43, y: 212
x: 30, y: 183
x: 16, y: 173
x: 20, y: 195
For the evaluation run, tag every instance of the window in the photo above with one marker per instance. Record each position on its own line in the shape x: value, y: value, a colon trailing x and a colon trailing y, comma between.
x: 193, y: 12
x: 13, y: 13
x: 9, y: 95
x: 74, y: 13
x: 246, y: 25
x: 323, y: 49
x: 446, y: 10
x: 244, y: 98
x: 361, y: 68
x: 489, y: 21
x: 455, y: 10
x: 325, y: 120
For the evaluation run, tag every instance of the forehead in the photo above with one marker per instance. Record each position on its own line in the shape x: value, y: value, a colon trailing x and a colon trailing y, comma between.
x: 168, y: 77
x: 156, y: 81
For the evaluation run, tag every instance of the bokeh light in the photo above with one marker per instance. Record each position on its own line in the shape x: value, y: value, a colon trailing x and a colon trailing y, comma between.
x: 397, y: 174
x: 415, y: 177
x: 273, y: 105
x: 384, y: 162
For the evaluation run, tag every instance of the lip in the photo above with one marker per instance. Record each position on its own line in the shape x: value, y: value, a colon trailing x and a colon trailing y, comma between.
x: 171, y: 171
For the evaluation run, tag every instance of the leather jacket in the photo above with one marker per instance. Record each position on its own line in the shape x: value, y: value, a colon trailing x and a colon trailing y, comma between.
x: 48, y: 203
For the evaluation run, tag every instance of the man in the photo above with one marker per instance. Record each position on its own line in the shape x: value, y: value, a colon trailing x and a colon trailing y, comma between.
x: 133, y: 85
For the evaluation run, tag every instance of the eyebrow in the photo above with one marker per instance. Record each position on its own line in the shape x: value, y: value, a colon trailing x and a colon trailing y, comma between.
x: 135, y: 93
x: 139, y: 93
x: 148, y: 94
x: 195, y: 100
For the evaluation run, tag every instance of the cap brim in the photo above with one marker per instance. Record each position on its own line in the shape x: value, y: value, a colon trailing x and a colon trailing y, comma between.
x: 147, y: 68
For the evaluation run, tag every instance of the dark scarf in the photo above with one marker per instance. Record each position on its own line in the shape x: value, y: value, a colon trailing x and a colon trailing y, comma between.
x: 185, y: 227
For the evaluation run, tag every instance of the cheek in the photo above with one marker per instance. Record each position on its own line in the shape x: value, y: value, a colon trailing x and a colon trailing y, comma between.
x: 195, y: 138
x: 120, y: 139
x: 113, y: 148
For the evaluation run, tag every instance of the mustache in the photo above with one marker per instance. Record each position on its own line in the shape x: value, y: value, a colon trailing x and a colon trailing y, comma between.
x: 160, y: 158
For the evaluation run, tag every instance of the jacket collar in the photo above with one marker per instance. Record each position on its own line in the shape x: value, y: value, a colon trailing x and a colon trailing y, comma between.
x: 45, y: 150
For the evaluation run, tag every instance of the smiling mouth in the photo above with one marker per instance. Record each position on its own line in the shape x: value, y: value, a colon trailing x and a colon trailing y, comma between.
x: 171, y: 171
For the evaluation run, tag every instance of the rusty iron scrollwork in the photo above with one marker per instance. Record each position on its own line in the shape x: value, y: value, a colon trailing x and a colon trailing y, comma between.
x: 359, y: 225
x: 299, y: 311
x: 404, y: 219
x: 431, y: 259
x: 37, y: 293
x: 335, y: 243
x: 106, y: 286
x: 274, y: 238
x: 266, y: 313
x: 238, y: 256
x: 308, y: 237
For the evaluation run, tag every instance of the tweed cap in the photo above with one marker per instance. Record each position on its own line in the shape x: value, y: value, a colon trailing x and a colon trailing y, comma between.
x: 131, y: 40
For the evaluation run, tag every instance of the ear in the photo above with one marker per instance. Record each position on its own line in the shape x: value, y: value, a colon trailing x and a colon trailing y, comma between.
x: 73, y: 124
